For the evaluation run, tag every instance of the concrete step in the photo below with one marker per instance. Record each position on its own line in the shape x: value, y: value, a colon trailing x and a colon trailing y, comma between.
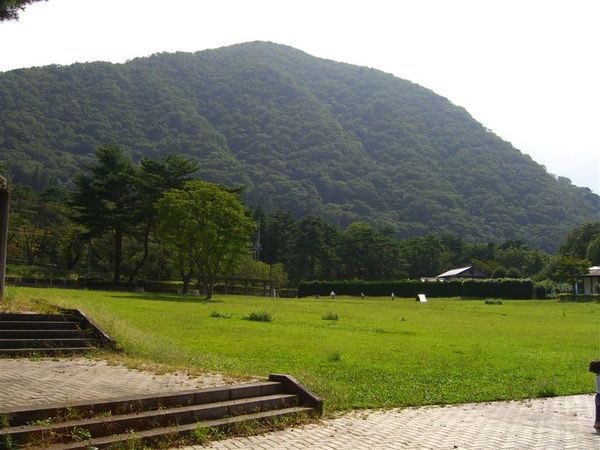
x: 38, y: 325
x: 136, y: 404
x: 64, y: 351
x: 28, y: 317
x: 159, y: 418
x: 155, y: 419
x: 79, y: 341
x: 40, y: 334
x: 149, y: 437
x: 7, y: 344
x: 48, y: 326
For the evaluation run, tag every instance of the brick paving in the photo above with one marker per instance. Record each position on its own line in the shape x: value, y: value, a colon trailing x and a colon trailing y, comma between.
x: 545, y: 424
x: 25, y: 382
x: 554, y: 423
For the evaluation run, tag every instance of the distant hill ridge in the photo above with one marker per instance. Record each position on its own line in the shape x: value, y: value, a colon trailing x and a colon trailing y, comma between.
x: 306, y: 135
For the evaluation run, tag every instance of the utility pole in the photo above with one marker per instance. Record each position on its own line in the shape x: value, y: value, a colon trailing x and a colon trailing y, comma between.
x: 4, y: 210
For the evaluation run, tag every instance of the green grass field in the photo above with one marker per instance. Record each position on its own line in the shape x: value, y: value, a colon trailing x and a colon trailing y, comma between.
x: 379, y: 353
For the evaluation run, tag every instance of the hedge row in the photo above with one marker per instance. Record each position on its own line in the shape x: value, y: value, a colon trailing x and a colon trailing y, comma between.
x: 497, y: 288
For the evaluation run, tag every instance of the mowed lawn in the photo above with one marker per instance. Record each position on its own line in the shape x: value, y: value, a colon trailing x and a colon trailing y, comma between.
x: 379, y: 353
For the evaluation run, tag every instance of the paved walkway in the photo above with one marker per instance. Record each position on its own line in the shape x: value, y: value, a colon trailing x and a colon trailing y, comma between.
x: 545, y: 424
x: 25, y: 382
x: 555, y: 423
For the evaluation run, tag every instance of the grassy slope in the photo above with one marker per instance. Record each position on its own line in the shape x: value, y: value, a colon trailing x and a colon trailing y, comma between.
x: 379, y: 353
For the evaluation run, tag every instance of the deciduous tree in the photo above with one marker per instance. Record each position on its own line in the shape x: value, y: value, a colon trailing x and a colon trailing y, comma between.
x: 577, y: 240
x: 567, y: 268
x: 593, y: 250
x: 206, y: 226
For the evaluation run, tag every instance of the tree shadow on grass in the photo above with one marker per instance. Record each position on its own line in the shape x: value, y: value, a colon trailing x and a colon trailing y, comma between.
x: 179, y: 298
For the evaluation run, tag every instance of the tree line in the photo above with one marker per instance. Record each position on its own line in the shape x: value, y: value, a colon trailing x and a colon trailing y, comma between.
x: 149, y: 220
x: 153, y: 220
x: 311, y: 249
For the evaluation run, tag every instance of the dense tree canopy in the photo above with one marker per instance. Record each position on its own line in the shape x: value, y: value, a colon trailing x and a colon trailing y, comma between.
x: 304, y: 135
x: 592, y: 251
x: 367, y: 254
x: 154, y: 177
x: 207, y: 227
x: 567, y: 268
x: 106, y: 198
x: 46, y: 231
x: 578, y: 241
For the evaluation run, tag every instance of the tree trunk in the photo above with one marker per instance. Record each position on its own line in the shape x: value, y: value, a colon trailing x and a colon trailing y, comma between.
x: 143, y: 261
x: 208, y: 287
x: 73, y: 255
x: 29, y: 249
x: 118, y: 256
x: 187, y: 277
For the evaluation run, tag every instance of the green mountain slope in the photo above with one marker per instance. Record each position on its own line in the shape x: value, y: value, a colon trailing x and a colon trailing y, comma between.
x: 304, y: 134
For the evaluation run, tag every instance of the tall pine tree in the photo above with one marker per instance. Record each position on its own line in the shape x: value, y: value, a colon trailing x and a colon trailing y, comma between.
x: 105, y: 199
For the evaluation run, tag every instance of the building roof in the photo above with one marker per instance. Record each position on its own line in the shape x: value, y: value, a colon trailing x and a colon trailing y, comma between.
x: 594, y: 272
x: 453, y: 272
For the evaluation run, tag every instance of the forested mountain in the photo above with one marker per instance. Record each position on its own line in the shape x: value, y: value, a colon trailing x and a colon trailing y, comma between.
x: 306, y: 135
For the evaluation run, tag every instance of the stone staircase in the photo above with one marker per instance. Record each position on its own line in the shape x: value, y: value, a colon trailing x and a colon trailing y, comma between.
x: 30, y: 334
x: 157, y: 420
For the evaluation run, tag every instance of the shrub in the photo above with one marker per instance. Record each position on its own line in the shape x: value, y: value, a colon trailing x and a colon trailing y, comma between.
x: 330, y: 316
x: 493, y: 301
x: 499, y: 272
x: 334, y: 356
x: 513, y: 272
x: 259, y: 316
x: 551, y: 289
x: 218, y: 315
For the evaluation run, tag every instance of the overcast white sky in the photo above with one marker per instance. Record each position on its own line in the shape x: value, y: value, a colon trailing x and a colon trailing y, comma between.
x: 527, y: 69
